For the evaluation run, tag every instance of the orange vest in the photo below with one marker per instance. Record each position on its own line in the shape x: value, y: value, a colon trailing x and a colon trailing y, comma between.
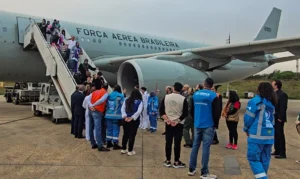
x: 96, y: 95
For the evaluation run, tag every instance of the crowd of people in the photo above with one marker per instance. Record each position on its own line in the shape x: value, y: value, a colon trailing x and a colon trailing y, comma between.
x: 189, y: 113
x: 56, y: 36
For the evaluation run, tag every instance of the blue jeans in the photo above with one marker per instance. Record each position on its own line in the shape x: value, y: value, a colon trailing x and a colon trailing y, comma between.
x: 153, y: 122
x: 95, y: 123
x: 206, y: 135
x: 112, y: 130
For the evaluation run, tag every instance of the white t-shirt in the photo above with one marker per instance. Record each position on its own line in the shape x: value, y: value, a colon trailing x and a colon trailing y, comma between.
x: 71, y: 44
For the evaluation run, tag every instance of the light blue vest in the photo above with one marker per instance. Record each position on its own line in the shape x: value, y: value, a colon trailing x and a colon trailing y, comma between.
x: 114, y: 105
x: 203, y: 108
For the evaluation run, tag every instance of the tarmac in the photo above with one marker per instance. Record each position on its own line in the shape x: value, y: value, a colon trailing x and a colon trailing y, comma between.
x: 35, y: 148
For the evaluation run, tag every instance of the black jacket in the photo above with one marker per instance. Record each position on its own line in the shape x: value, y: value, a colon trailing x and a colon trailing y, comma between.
x: 73, y: 101
x: 76, y: 103
x: 281, y: 106
x: 83, y: 69
x: 98, y: 82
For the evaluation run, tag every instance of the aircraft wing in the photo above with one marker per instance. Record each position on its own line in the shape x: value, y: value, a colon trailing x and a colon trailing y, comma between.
x: 218, y: 54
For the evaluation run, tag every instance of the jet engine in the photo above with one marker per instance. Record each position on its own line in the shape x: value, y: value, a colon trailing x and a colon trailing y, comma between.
x: 157, y: 74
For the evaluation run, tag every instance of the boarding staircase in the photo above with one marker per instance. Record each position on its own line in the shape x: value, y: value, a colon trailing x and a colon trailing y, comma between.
x: 56, y: 67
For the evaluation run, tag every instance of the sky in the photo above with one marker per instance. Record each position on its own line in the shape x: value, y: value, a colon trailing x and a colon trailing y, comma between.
x: 195, y: 20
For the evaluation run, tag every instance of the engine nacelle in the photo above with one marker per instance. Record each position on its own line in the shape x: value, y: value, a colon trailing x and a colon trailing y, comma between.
x: 157, y: 74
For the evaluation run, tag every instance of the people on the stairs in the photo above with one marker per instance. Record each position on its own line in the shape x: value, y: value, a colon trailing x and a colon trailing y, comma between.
x: 43, y: 28
x: 98, y: 81
x: 48, y: 31
x: 71, y: 44
x: 84, y: 69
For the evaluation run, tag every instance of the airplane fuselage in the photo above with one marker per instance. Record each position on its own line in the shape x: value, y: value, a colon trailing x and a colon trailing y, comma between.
x: 99, y: 43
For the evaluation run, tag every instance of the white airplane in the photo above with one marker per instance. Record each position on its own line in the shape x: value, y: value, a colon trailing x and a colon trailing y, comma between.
x: 129, y: 58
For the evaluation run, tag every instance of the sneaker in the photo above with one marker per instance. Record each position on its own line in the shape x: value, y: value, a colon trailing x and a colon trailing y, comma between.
x: 214, y: 142
x: 103, y: 149
x: 234, y: 147
x: 188, y: 145
x: 131, y: 153
x: 124, y: 151
x: 116, y: 147
x: 191, y: 172
x: 167, y: 163
x: 208, y: 176
x: 109, y: 144
x: 274, y: 153
x: 229, y: 146
x: 179, y: 164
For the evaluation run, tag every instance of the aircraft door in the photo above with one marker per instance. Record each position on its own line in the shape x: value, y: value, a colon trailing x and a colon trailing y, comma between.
x: 23, y: 24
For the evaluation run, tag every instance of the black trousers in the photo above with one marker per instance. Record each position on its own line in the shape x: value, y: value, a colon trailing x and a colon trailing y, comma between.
x: 72, y: 124
x: 279, y: 138
x: 67, y: 55
x: 176, y: 134
x: 129, y: 133
x: 233, y: 134
x: 216, y: 137
x: 78, y: 125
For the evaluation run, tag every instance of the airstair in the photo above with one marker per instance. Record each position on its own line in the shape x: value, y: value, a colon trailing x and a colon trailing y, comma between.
x: 56, y: 68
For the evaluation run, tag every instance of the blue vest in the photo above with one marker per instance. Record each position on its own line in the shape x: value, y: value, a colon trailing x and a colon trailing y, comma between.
x: 114, y: 105
x: 135, y: 109
x: 259, y: 121
x: 203, y: 108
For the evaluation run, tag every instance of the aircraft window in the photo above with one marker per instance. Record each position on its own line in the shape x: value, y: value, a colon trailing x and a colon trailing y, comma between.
x: 138, y: 45
x: 155, y: 48
x: 143, y: 46
x: 4, y: 29
x: 124, y: 44
x: 158, y: 48
x: 163, y: 49
x: 82, y: 39
x: 99, y: 40
x: 147, y: 47
x: 120, y: 43
x: 151, y: 47
x: 88, y: 40
x: 94, y: 40
x: 129, y: 45
x: 133, y: 45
